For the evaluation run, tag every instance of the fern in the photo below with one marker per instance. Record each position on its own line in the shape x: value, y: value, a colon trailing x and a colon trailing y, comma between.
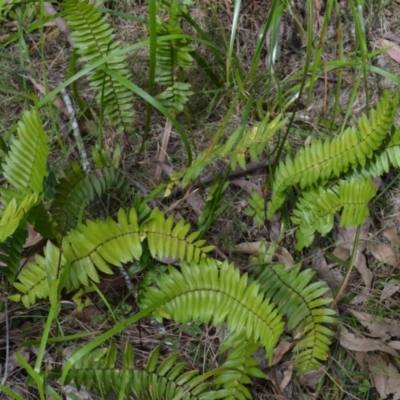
x: 241, y: 366
x: 172, y: 54
x: 166, y: 240
x: 94, y: 39
x: 11, y: 252
x: 25, y: 163
x: 36, y: 280
x: 302, y: 303
x: 316, y: 208
x: 241, y: 305
x: 321, y: 161
x: 14, y: 214
x: 256, y: 207
x: 78, y: 189
x: 252, y: 142
x: 158, y: 380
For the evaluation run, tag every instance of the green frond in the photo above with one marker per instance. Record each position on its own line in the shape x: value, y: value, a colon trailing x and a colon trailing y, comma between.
x: 172, y: 54
x: 78, y: 189
x: 11, y: 253
x: 382, y: 160
x: 42, y: 221
x: 97, y: 244
x: 165, y: 379
x: 303, y: 304
x: 256, y: 207
x: 14, y: 214
x: 316, y: 208
x: 25, y: 164
x: 322, y: 160
x: 94, y: 39
x: 255, y: 141
x: 34, y: 281
x: 241, y: 305
x: 167, y: 240
x: 240, y: 366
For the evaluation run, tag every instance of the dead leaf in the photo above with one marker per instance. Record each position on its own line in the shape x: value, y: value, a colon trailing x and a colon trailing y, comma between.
x: 345, y: 237
x: 196, y: 202
x: 60, y: 22
x: 332, y: 276
x: 394, y: 50
x: 247, y: 186
x: 163, y: 150
x: 395, y: 344
x: 392, y: 235
x: 385, y: 376
x: 383, y: 328
x: 280, y: 350
x: 344, y: 248
x: 383, y: 253
x: 311, y: 378
x: 360, y: 343
x: 287, y: 375
x: 361, y: 264
x: 253, y: 248
x: 57, y: 102
x: 33, y: 237
x: 341, y: 253
x: 390, y: 289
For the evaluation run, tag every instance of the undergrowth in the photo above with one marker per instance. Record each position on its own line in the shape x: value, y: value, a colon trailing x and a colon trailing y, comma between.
x: 96, y: 218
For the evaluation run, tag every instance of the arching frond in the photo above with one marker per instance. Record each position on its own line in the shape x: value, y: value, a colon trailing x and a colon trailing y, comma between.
x: 241, y: 366
x: 303, y: 305
x: 322, y: 160
x: 14, y: 214
x: 241, y: 305
x: 172, y: 54
x: 165, y: 379
x: 25, y: 164
x: 97, y: 244
x: 94, y: 39
x: 35, y: 279
x: 11, y: 252
x: 172, y: 241
x: 78, y: 189
x: 316, y: 208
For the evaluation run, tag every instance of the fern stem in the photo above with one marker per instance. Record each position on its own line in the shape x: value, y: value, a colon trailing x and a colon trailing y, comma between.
x: 349, y: 270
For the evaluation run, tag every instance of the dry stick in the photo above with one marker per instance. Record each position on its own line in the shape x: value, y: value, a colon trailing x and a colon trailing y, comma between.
x: 163, y: 149
x: 86, y: 165
x: 348, y: 273
x: 209, y: 179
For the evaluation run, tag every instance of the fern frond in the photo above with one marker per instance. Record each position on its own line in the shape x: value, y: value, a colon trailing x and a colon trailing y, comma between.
x: 94, y: 39
x: 14, y: 214
x: 322, y: 160
x: 34, y: 281
x: 172, y: 54
x: 256, y: 208
x: 315, y: 210
x: 303, y: 305
x: 255, y: 141
x: 241, y: 305
x: 78, y: 189
x: 389, y: 156
x: 240, y: 364
x: 11, y: 252
x: 97, y: 244
x: 25, y: 163
x: 165, y: 379
x: 166, y: 240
